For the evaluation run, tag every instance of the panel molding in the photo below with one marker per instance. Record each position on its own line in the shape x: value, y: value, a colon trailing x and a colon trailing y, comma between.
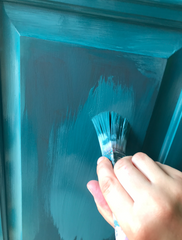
x: 171, y: 132
x: 167, y: 9
x: 53, y: 28
x: 93, y: 31
x: 11, y: 110
x: 166, y: 116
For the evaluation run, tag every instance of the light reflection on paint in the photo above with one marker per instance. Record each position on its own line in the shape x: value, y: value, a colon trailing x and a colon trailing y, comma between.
x: 73, y: 149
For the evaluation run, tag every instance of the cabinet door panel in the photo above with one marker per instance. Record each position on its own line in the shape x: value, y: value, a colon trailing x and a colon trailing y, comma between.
x: 63, y: 87
x: 60, y: 67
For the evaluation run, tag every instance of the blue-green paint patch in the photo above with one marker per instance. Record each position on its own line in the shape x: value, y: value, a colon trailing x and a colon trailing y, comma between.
x: 101, y: 32
x: 29, y: 183
x: 171, y: 132
x: 73, y: 149
x: 10, y: 86
x: 59, y: 82
x: 165, y: 126
x: 63, y: 86
x: 1, y: 231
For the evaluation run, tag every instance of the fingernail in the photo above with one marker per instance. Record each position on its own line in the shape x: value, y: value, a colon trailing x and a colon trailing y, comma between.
x: 99, y: 160
x: 89, y: 188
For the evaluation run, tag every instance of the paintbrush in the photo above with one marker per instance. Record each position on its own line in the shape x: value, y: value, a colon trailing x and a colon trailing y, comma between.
x: 112, y: 131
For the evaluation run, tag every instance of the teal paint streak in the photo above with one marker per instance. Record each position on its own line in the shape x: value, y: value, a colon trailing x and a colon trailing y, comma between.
x: 3, y: 202
x: 10, y: 84
x: 149, y: 66
x: 1, y: 232
x: 165, y: 13
x: 164, y: 109
x: 29, y: 184
x: 73, y: 150
x: 174, y: 156
x: 171, y: 132
x: 3, y: 218
x: 46, y: 110
x: 1, y: 20
x: 108, y: 95
x: 93, y: 31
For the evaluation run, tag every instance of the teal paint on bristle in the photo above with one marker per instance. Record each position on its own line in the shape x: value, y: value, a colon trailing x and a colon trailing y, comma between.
x: 112, y: 131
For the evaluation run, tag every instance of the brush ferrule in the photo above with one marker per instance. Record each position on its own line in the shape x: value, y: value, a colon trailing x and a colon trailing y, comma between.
x: 112, y: 131
x: 113, y: 155
x: 118, y: 155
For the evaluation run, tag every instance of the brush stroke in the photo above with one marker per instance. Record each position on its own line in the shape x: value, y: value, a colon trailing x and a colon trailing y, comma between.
x: 29, y: 183
x: 63, y: 86
x: 10, y: 85
x: 150, y: 67
x: 171, y: 132
x: 1, y: 232
x: 72, y: 152
x: 92, y: 31
x: 169, y: 93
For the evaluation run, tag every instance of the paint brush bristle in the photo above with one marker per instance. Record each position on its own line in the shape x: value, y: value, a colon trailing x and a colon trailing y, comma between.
x: 112, y: 131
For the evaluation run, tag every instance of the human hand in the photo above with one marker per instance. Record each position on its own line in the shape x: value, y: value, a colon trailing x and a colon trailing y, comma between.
x: 144, y: 196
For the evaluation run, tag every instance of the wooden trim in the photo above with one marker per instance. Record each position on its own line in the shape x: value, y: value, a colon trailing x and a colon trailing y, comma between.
x: 11, y: 118
x: 152, y: 12
x: 93, y: 31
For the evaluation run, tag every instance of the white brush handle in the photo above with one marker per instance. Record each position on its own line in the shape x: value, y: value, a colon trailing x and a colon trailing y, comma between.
x: 119, y: 234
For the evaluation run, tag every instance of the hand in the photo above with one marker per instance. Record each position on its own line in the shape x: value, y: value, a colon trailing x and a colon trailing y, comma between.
x: 145, y: 197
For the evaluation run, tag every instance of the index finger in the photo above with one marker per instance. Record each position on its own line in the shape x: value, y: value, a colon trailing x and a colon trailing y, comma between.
x: 117, y: 198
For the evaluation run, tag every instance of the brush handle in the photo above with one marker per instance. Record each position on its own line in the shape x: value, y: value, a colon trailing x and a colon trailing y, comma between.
x: 112, y: 131
x: 119, y: 234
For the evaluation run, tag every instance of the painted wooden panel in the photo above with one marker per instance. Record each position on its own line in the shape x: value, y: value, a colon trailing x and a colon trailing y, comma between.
x: 1, y: 232
x: 62, y: 65
x: 62, y: 87
x: 165, y: 130
x: 2, y: 176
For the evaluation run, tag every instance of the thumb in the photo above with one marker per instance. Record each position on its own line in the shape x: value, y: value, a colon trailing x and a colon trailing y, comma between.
x: 102, y: 206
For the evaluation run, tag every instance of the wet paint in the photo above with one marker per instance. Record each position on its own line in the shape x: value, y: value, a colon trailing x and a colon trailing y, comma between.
x: 100, y: 30
x: 63, y: 83
x: 165, y: 118
x: 10, y: 89
x: 3, y: 201
x: 29, y: 176
x: 171, y: 132
x: 74, y: 151
x: 1, y: 232
x: 63, y: 86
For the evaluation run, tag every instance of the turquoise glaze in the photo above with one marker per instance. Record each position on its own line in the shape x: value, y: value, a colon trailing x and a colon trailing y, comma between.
x: 59, y: 143
x: 89, y: 30
x: 171, y: 132
x: 10, y: 92
x: 63, y: 62
x: 1, y: 232
x: 166, y: 119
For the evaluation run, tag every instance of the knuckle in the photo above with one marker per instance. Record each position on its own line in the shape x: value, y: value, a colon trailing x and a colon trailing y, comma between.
x: 103, y: 165
x: 165, y: 211
x: 100, y: 167
x: 140, y: 229
x: 140, y: 156
x: 179, y: 178
x: 141, y: 234
x: 106, y: 185
x: 123, y: 164
x: 120, y: 164
x: 166, y: 214
x: 177, y: 191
